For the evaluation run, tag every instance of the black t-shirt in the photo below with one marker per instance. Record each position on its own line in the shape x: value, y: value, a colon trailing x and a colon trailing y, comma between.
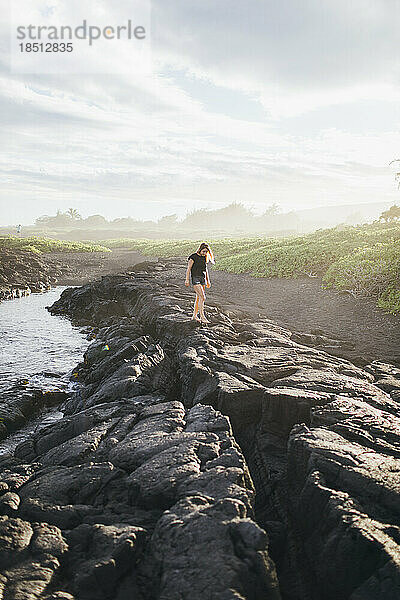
x: 199, y: 265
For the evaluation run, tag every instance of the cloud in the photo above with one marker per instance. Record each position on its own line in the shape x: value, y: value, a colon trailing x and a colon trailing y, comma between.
x: 303, y: 53
x: 222, y: 116
x: 304, y: 43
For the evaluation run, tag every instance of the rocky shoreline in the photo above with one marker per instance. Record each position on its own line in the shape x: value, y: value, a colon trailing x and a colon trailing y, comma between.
x: 227, y: 461
x: 22, y: 273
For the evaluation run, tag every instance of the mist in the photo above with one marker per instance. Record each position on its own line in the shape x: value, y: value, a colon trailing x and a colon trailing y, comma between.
x: 233, y: 220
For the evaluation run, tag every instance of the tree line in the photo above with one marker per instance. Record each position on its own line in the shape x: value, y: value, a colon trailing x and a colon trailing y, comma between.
x: 234, y: 216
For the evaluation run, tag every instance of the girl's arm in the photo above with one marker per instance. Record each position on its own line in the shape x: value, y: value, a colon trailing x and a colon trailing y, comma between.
x: 208, y: 284
x: 189, y: 268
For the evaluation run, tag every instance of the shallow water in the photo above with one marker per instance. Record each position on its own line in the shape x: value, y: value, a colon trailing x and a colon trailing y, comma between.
x: 37, y: 350
x: 36, y: 346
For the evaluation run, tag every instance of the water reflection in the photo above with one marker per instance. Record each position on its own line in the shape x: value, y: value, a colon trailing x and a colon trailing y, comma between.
x: 37, y: 350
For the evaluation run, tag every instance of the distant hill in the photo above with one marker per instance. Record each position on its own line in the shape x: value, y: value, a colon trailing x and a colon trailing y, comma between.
x: 329, y: 216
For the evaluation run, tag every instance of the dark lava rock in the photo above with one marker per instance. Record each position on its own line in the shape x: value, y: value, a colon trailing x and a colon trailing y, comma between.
x: 228, y: 461
x: 108, y: 478
x: 23, y: 272
x: 20, y: 403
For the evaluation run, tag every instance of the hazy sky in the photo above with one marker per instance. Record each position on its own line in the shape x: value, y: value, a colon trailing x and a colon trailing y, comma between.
x: 294, y: 102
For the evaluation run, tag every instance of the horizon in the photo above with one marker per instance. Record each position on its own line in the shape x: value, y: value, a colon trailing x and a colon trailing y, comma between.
x: 378, y: 206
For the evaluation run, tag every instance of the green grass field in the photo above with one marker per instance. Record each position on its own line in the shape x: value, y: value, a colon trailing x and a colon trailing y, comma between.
x: 44, y: 245
x: 364, y: 260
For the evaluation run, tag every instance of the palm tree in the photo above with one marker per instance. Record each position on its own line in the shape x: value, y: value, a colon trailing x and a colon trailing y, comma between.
x: 73, y: 214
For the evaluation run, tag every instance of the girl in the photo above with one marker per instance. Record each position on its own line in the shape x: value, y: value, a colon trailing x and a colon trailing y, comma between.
x: 197, y: 267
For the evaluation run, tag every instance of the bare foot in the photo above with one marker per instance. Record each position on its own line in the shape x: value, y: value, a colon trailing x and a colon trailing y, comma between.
x: 204, y: 320
x: 195, y: 318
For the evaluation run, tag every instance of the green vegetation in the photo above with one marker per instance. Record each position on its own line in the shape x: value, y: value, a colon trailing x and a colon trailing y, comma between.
x: 363, y: 260
x: 38, y: 245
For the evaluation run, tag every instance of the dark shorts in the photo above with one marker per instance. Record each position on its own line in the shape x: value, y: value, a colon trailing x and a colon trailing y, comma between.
x: 196, y: 279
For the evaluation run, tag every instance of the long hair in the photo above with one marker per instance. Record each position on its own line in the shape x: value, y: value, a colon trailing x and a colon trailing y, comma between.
x: 209, y: 255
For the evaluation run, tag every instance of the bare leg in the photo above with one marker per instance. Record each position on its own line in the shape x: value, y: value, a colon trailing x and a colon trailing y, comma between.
x: 196, y: 308
x: 199, y: 301
x: 201, y: 294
